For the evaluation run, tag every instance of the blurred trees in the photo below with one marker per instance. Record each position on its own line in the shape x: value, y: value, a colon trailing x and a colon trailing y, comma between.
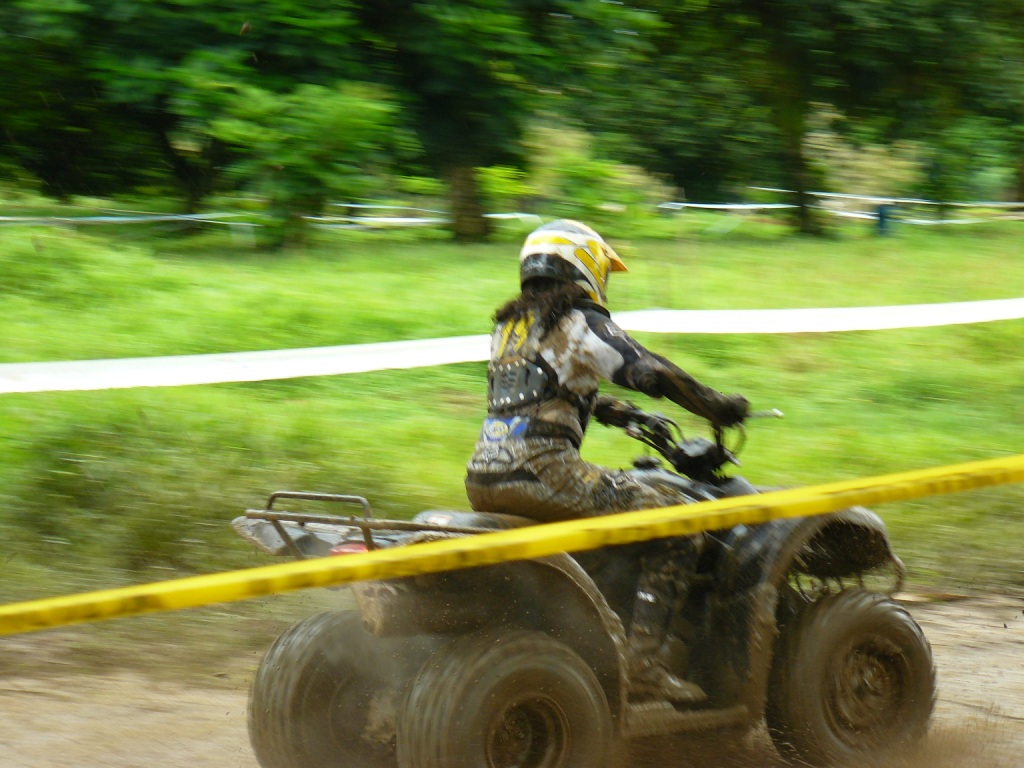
x: 730, y: 87
x: 51, y: 123
x: 473, y: 73
x: 146, y: 80
x: 567, y: 178
x: 300, y: 100
x: 300, y: 148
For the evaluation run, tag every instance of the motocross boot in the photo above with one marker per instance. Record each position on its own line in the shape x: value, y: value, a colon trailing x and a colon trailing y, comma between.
x: 648, y: 676
x: 660, y: 591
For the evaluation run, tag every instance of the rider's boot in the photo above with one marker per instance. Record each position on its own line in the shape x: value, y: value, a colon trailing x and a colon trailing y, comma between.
x: 649, y: 677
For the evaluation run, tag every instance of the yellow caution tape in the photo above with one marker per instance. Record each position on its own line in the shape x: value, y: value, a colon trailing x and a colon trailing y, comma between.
x: 502, y: 546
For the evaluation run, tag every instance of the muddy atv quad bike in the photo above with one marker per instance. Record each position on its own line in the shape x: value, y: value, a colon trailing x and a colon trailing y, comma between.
x: 524, y: 664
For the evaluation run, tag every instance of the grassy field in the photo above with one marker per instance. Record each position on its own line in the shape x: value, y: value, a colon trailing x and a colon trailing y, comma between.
x: 104, y: 488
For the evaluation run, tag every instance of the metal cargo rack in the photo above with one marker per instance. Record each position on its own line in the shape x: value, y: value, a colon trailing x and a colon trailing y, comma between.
x: 366, y: 523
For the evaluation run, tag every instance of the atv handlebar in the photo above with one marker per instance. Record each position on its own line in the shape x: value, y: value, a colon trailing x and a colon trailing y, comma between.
x: 771, y: 413
x: 696, y: 457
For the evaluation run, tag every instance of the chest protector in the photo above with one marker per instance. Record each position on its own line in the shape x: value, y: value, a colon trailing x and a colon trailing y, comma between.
x: 517, y: 375
x: 516, y: 381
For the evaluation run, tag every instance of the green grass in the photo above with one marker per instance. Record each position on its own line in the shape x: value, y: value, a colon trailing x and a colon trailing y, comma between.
x: 112, y: 487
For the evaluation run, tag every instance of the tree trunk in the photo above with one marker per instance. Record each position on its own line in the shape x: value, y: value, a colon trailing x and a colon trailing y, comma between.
x: 468, y: 222
x: 798, y: 178
x: 1019, y: 191
x: 789, y: 87
x: 180, y: 167
x: 797, y: 172
x: 195, y: 177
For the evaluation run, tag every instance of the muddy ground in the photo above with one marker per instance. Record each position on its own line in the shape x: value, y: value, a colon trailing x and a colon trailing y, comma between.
x: 53, y: 715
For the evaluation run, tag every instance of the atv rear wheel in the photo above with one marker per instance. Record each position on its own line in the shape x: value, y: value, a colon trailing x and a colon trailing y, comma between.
x: 505, y: 699
x: 853, y: 676
x: 327, y: 693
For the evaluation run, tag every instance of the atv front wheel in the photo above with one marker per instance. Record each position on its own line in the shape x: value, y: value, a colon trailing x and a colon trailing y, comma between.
x: 853, y: 677
x: 327, y: 693
x: 505, y: 699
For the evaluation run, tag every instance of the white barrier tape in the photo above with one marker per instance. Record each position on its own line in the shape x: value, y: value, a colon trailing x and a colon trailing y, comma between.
x: 929, y: 222
x: 851, y: 214
x: 82, y: 375
x: 726, y: 206
x: 119, y: 219
x: 183, y: 370
x: 902, y: 220
x: 830, y: 320
x: 347, y: 222
x: 904, y: 200
x: 321, y: 222
x: 383, y: 207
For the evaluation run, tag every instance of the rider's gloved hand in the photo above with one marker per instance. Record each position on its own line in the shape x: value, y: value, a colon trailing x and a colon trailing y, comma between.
x: 659, y: 425
x: 613, y: 412
x: 735, y: 409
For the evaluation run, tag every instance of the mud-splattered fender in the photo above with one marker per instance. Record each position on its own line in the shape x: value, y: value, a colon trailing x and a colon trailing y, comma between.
x: 753, y: 565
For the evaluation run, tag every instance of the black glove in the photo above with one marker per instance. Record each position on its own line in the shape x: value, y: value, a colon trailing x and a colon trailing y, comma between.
x: 735, y: 409
x: 613, y: 412
x: 660, y: 426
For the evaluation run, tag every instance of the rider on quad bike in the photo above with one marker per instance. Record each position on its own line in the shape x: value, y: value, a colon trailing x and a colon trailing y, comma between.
x: 551, y: 346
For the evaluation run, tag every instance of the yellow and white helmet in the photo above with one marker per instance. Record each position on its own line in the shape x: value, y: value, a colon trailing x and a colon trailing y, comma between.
x: 569, y: 250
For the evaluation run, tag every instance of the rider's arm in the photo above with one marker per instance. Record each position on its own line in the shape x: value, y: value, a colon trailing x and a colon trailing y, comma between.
x: 637, y: 368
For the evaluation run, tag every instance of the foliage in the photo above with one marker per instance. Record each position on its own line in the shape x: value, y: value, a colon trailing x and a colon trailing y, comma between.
x: 567, y: 179
x: 300, y: 149
x: 686, y: 112
x: 735, y: 84
x: 503, y: 187
x: 971, y: 160
x: 862, y: 164
x: 472, y: 75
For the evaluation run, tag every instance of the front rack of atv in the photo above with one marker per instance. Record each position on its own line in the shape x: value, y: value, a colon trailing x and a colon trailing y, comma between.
x: 367, y: 523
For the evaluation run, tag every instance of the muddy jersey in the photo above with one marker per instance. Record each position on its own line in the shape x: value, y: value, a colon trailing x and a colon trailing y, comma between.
x: 542, y: 393
x: 553, y: 377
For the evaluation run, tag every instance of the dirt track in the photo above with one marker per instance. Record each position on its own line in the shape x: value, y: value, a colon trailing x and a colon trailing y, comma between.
x: 128, y: 720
